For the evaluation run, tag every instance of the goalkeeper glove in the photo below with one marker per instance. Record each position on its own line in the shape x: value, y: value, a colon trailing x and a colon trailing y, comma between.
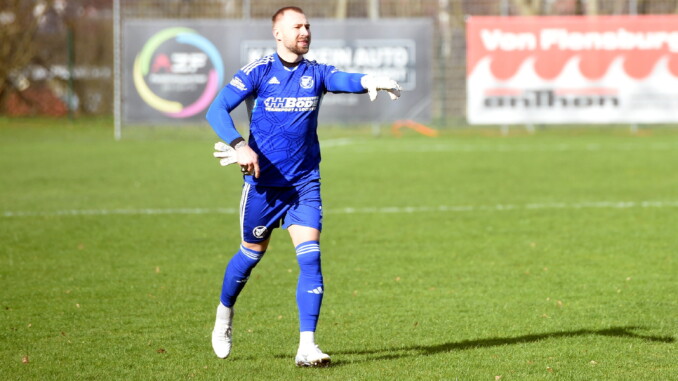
x: 373, y: 84
x: 226, y: 153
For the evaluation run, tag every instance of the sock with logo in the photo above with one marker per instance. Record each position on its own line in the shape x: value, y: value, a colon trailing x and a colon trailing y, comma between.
x: 310, y: 287
x: 237, y: 272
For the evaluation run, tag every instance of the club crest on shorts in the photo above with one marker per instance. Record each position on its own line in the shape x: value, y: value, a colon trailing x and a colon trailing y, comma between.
x: 306, y: 82
x: 259, y: 231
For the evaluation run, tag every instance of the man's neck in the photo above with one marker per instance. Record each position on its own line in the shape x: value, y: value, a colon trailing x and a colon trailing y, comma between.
x: 289, y: 59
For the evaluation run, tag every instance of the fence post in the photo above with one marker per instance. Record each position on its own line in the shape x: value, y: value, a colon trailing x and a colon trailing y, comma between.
x: 504, y: 12
x: 373, y: 12
x: 633, y: 10
x: 444, y: 53
x: 117, y: 107
x: 246, y: 9
x: 70, y: 57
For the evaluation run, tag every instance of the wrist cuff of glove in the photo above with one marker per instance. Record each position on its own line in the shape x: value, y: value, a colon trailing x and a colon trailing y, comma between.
x: 364, y: 80
x: 238, y: 142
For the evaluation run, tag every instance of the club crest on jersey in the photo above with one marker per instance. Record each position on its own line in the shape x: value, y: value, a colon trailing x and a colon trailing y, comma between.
x: 259, y: 231
x: 307, y: 82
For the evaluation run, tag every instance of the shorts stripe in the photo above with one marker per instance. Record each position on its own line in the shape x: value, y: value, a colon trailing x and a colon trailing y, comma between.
x: 243, y: 205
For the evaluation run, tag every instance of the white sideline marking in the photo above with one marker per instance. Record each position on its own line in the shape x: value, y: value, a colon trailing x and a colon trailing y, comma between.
x: 549, y: 147
x: 106, y: 212
x: 335, y: 142
x: 374, y: 210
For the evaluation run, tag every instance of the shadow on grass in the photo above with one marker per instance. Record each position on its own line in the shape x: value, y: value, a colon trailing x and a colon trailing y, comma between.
x: 419, y: 350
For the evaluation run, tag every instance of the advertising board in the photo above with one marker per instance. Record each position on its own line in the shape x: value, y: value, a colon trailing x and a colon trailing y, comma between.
x: 575, y: 69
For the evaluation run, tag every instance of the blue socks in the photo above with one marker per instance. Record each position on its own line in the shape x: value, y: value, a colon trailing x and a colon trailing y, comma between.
x: 310, y: 287
x: 237, y: 272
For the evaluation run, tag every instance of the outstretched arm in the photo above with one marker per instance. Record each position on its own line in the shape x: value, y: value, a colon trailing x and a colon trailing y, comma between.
x: 341, y: 82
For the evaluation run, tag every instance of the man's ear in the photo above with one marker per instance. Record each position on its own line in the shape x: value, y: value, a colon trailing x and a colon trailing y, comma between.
x: 276, y: 34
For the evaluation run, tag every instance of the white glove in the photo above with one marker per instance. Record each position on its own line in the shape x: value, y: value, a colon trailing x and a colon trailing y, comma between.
x: 226, y: 153
x: 373, y: 84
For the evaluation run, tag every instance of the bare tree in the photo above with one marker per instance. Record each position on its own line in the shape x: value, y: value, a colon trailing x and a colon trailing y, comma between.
x: 18, y: 27
x: 592, y: 7
x: 341, y: 9
x: 528, y: 7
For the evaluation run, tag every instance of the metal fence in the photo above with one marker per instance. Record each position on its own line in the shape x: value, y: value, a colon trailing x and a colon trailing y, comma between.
x: 57, y: 56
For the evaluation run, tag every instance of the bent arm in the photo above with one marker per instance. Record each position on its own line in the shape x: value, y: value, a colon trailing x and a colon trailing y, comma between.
x: 219, y: 116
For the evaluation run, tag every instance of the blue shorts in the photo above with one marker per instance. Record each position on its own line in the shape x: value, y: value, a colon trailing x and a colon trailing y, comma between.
x: 263, y: 209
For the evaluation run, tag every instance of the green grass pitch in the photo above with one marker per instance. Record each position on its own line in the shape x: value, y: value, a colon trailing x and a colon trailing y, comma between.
x: 470, y: 256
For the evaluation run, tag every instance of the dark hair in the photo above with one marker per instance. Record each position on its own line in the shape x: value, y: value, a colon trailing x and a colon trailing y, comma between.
x: 282, y: 10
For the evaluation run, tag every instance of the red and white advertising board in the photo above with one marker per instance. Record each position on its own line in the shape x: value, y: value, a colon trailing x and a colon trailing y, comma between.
x: 574, y: 69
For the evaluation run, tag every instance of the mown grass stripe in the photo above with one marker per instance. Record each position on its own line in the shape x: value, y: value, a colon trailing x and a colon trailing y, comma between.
x: 353, y: 210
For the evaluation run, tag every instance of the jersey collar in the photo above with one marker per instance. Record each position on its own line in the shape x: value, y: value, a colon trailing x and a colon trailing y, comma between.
x: 287, y: 65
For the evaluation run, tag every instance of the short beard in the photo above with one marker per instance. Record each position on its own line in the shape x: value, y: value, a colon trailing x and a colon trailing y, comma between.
x: 298, y: 50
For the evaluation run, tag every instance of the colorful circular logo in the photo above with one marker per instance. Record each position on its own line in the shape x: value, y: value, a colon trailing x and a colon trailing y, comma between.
x: 174, y: 62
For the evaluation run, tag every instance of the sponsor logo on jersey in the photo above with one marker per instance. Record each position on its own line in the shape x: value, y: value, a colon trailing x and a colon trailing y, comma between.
x: 259, y: 231
x: 291, y: 104
x: 306, y: 82
x: 238, y: 84
x: 274, y: 81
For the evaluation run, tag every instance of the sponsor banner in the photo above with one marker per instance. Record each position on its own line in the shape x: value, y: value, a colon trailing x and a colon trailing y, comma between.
x: 576, y: 69
x: 173, y: 70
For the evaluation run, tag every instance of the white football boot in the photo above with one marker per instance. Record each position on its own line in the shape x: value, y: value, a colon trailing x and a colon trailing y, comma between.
x: 311, y: 356
x: 221, y: 335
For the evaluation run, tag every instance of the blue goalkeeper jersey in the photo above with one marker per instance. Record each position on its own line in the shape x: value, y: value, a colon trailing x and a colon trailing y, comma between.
x: 283, y: 105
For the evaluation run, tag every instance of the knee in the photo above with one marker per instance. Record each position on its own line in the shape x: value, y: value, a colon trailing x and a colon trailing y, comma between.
x: 259, y: 246
x: 308, y: 257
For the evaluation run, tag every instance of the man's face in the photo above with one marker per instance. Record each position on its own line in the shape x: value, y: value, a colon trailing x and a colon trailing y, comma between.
x: 294, y: 31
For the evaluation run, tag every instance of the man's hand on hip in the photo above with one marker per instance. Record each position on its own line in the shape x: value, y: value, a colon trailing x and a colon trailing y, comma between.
x: 225, y: 154
x: 242, y: 154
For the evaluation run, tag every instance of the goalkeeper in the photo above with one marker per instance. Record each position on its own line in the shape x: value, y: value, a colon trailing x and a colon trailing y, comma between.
x: 280, y: 162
